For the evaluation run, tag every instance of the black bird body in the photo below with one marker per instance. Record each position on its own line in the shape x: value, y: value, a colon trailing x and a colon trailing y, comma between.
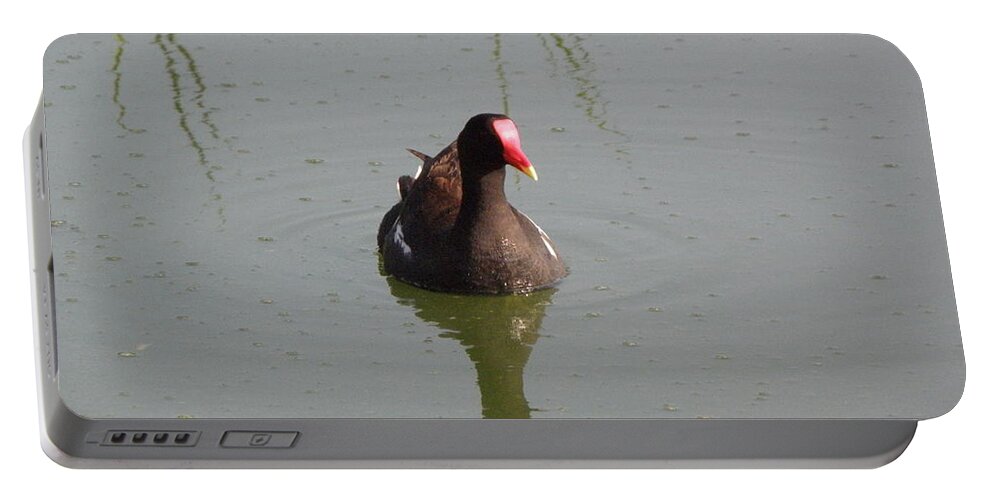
x: 453, y: 229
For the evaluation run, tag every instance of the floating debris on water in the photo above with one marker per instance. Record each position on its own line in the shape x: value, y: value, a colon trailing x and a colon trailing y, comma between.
x: 127, y: 354
x: 112, y: 258
x: 266, y: 239
x: 629, y: 343
x: 314, y: 161
x: 742, y: 134
x: 58, y: 223
x: 136, y: 155
x: 192, y: 263
x: 75, y: 184
x: 305, y: 198
x: 891, y: 165
x: 375, y: 163
x: 722, y: 356
x: 878, y: 277
x: 690, y: 138
x: 558, y: 129
x: 600, y: 259
x: 266, y: 301
x: 655, y: 309
x: 592, y: 315
x: 669, y: 407
x: 262, y: 99
x: 601, y: 288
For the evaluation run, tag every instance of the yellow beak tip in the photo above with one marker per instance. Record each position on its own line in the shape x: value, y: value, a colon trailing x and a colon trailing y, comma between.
x: 530, y: 172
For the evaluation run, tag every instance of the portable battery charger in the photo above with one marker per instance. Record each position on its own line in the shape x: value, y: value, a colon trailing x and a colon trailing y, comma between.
x: 757, y: 267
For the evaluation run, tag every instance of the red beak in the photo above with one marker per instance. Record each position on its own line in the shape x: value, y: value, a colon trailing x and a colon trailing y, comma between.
x: 512, y: 153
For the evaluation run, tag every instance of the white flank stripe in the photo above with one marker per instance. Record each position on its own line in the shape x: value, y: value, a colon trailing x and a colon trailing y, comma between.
x: 548, y: 245
x: 544, y: 237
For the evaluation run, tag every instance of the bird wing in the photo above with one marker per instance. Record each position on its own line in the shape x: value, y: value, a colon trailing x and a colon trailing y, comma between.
x: 430, y: 202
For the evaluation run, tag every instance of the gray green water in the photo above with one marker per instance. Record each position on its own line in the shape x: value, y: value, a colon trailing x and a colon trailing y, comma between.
x: 751, y: 225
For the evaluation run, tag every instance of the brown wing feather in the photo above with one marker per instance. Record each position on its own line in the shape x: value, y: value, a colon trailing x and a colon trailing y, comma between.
x: 424, y: 158
x: 430, y: 203
x: 433, y: 200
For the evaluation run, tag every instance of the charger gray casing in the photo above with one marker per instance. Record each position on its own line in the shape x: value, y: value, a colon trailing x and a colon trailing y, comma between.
x: 866, y: 426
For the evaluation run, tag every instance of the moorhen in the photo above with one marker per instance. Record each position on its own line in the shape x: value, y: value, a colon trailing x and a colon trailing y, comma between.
x: 453, y: 229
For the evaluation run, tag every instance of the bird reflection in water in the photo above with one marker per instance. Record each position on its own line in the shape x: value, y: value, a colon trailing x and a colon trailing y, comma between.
x: 497, y: 332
